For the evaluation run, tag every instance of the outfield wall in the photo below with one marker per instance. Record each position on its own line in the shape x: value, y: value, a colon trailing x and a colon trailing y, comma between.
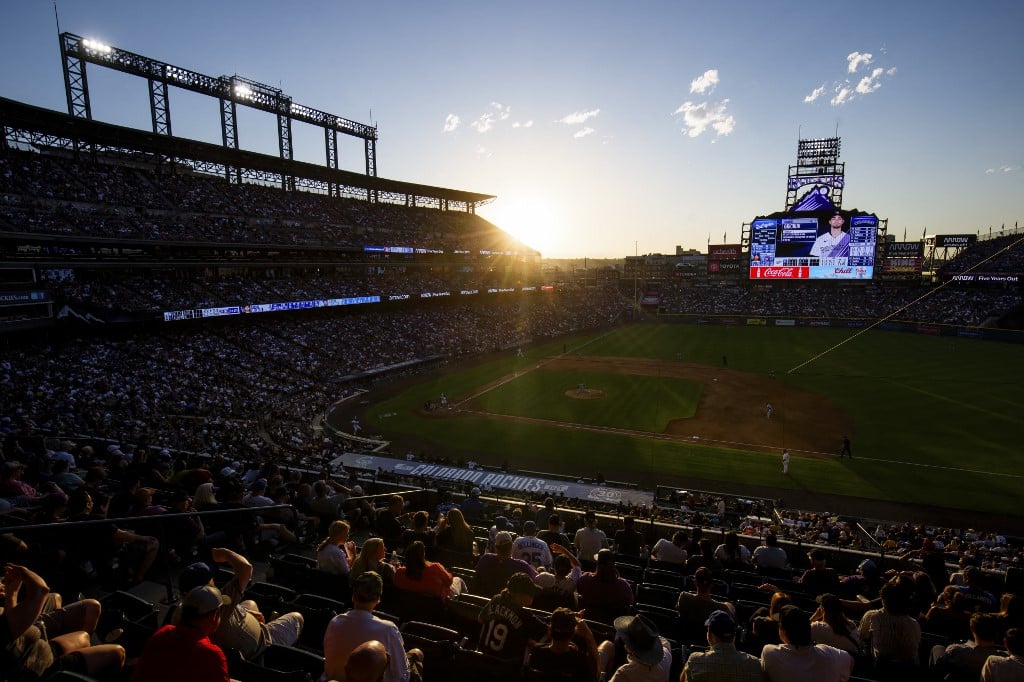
x: 983, y: 333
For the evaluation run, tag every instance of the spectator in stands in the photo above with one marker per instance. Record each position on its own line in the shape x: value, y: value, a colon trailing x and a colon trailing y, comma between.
x: 829, y: 625
x: 671, y: 551
x: 559, y: 585
x: 205, y: 498
x: 425, y: 577
x: 949, y: 616
x: 554, y: 535
x: 336, y: 553
x: 453, y: 533
x: 543, y: 513
x: 346, y: 631
x: 390, y: 520
x: 508, y: 629
x: 530, y: 548
x: 420, y: 532
x: 571, y: 652
x: 494, y: 570
x: 867, y: 582
x: 732, y: 554
x: 722, y: 661
x: 371, y: 557
x: 97, y: 545
x: 25, y: 653
x: 974, y: 591
x: 703, y: 558
x: 764, y: 622
x: 604, y: 593
x: 446, y: 504
x: 958, y: 662
x: 1007, y: 668
x: 473, y: 507
x: 648, y: 655
x: 589, y: 539
x: 695, y: 607
x: 184, y: 534
x: 628, y: 541
x: 242, y: 626
x: 188, y: 640
x: 798, y: 658
x: 819, y: 578
x: 368, y: 662
x: 770, y: 556
x: 891, y: 633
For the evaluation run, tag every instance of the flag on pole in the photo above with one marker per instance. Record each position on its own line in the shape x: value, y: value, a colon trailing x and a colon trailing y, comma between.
x: 904, y: 234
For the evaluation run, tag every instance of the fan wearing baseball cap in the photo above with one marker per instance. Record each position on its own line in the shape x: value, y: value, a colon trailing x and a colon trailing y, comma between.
x: 188, y: 640
x: 722, y: 661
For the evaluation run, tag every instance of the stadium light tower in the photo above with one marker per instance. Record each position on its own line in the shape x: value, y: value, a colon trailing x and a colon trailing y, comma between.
x: 817, y: 164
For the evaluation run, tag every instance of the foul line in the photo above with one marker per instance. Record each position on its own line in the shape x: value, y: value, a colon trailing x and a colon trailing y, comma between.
x: 515, y: 375
x: 698, y: 440
x: 899, y: 310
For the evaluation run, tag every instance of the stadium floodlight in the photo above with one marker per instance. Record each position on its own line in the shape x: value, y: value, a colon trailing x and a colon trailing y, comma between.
x: 243, y: 91
x: 96, y: 46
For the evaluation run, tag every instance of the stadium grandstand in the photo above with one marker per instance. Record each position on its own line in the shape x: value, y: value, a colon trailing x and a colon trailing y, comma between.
x: 178, y: 320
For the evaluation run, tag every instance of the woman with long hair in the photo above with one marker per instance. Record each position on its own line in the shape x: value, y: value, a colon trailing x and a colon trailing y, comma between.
x: 829, y: 625
x: 371, y: 558
x: 732, y: 554
x: 336, y: 553
x: 453, y: 533
x: 425, y: 577
x: 205, y: 499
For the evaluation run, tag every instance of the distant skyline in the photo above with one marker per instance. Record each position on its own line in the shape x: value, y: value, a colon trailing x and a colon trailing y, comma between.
x: 601, y: 127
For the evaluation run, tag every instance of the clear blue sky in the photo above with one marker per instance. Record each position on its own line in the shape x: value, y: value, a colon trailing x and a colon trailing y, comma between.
x: 601, y: 126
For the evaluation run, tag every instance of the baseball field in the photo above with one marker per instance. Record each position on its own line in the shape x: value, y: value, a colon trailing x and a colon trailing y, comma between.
x: 935, y: 423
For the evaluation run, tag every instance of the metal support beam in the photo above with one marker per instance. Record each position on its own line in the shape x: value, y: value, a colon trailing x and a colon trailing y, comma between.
x: 159, y: 107
x: 229, y: 136
x: 76, y: 85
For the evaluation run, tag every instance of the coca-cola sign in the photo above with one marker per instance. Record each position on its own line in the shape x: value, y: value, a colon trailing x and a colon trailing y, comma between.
x: 781, y: 272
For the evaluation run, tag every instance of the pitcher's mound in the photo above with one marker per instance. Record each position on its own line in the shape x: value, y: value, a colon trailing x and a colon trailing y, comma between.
x: 585, y: 393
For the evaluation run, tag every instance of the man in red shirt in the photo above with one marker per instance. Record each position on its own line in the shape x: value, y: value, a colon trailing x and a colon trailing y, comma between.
x: 187, y: 643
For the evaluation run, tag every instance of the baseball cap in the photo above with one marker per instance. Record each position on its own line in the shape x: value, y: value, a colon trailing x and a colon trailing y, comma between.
x: 520, y: 583
x: 501, y: 522
x: 474, y: 491
x: 867, y: 566
x: 205, y: 599
x: 529, y: 526
x: 227, y: 472
x: 502, y: 538
x: 641, y: 636
x: 721, y: 624
x: 368, y: 587
x: 194, y: 575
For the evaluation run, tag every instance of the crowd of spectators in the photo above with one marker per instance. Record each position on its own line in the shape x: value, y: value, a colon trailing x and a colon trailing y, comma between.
x: 49, y: 194
x: 937, y: 305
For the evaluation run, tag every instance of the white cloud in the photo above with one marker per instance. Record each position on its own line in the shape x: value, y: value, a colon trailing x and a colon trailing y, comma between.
x: 503, y: 111
x: 815, y: 94
x: 870, y: 83
x: 990, y: 171
x: 843, y: 95
x: 583, y: 133
x: 578, y: 117
x: 891, y: 71
x: 528, y: 124
x: 1009, y: 169
x: 857, y: 59
x: 484, y: 123
x: 451, y: 123
x: 697, y: 118
x: 705, y: 83
x: 483, y: 151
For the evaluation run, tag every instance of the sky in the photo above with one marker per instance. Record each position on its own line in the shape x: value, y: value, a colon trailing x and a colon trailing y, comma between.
x: 604, y: 129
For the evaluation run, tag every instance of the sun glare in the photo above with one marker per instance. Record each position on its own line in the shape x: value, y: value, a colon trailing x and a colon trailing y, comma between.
x: 528, y: 220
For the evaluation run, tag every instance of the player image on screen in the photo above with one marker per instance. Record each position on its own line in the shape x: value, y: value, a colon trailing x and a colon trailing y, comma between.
x: 833, y: 242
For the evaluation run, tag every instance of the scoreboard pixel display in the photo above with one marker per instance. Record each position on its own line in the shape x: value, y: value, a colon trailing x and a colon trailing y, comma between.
x: 818, y: 245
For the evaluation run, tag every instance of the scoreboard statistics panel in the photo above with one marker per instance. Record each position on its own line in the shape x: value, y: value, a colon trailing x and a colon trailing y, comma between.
x: 807, y: 247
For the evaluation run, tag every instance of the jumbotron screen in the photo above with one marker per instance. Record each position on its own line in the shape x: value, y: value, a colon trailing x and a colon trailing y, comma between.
x: 818, y: 245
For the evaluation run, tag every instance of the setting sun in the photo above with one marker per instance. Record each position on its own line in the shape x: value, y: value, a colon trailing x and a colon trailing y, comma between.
x: 528, y: 220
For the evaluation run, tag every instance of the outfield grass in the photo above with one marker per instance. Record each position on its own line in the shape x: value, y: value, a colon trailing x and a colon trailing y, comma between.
x: 937, y: 421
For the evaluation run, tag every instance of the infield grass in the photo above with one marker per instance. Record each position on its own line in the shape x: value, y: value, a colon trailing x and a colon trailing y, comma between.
x: 937, y: 421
